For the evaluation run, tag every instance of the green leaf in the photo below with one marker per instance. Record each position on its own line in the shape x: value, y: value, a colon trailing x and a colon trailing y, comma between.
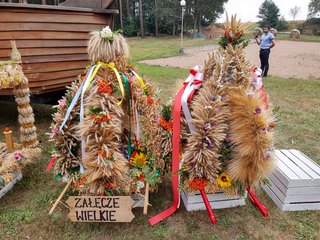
x: 145, y: 170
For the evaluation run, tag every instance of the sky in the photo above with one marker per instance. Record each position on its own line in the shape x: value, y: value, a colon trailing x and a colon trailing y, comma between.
x: 247, y: 10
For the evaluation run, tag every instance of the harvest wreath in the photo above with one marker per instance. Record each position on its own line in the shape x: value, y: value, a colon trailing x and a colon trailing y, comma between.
x: 13, y: 157
x: 107, y: 130
x: 222, y: 126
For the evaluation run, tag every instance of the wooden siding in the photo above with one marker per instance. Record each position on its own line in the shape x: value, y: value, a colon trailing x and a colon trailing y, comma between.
x: 51, y: 40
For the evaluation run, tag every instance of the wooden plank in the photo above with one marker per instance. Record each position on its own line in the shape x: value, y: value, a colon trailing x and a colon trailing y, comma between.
x: 290, y: 164
x: 5, y: 44
x: 65, y: 9
x: 290, y: 207
x: 273, y: 196
x: 35, y: 77
x: 42, y: 26
x: 100, y: 209
x: 54, y: 58
x: 293, y: 190
x: 27, y: 52
x: 54, y: 66
x: 211, y: 197
x: 37, y: 35
x: 278, y: 183
x: 277, y: 191
x: 44, y: 84
x: 51, y: 17
x: 303, y: 165
x: 10, y: 185
x: 304, y: 198
x: 313, y: 165
x: 215, y: 204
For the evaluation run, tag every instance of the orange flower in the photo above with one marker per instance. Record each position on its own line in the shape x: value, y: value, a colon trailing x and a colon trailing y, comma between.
x: 102, y: 153
x: 141, y: 177
x: 166, y: 125
x: 198, y: 183
x: 150, y: 100
x: 108, y: 185
x: 104, y: 87
x: 99, y: 118
x: 81, y: 181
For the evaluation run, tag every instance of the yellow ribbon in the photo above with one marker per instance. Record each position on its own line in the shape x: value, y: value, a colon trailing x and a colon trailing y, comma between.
x: 113, y: 68
x: 139, y: 79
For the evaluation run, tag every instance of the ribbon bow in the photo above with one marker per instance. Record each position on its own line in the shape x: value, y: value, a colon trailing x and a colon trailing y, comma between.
x: 192, y: 83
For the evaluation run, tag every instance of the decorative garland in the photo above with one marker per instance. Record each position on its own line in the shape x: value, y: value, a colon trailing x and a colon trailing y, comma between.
x: 113, y: 146
x: 12, y: 76
x: 226, y: 145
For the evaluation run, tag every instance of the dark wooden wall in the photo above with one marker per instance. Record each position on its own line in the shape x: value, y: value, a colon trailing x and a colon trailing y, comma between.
x: 52, y: 42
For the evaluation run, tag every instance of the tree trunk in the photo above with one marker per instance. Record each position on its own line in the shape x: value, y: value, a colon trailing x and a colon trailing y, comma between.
x: 174, y: 29
x: 120, y: 14
x: 195, y: 21
x: 199, y: 22
x: 141, y: 19
x: 156, y: 18
x: 128, y: 8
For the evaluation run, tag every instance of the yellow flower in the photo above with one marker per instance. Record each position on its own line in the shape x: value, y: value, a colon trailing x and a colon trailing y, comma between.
x: 224, y: 180
x: 139, y: 160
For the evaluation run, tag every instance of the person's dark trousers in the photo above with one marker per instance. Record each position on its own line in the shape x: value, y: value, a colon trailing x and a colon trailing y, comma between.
x: 264, y: 59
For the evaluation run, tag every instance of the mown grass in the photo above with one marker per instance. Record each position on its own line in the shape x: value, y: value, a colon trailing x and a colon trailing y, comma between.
x: 24, y: 210
x: 152, y: 48
x: 302, y: 38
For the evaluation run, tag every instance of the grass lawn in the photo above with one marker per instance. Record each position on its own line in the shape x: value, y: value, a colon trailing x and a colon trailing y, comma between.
x: 24, y: 210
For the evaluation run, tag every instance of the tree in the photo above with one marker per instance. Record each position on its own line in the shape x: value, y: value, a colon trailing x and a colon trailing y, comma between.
x: 314, y: 8
x: 141, y: 19
x: 205, y: 12
x: 269, y: 14
x: 294, y: 12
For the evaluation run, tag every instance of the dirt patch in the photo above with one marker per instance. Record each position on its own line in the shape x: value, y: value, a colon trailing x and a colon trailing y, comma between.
x: 287, y: 59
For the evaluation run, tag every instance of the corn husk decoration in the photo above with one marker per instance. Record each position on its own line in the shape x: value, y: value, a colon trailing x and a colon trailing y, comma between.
x: 119, y: 130
x: 12, y: 76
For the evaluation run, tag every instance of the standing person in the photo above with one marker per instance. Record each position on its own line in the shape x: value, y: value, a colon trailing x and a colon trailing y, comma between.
x: 266, y: 42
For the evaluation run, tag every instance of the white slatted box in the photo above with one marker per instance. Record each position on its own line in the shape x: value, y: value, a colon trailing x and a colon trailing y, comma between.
x: 194, y: 202
x: 10, y: 185
x: 295, y: 183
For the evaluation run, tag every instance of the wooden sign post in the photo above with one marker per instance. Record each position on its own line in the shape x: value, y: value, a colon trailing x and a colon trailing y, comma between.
x: 100, y: 209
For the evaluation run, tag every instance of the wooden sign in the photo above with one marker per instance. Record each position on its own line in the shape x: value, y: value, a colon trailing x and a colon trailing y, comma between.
x: 100, y: 209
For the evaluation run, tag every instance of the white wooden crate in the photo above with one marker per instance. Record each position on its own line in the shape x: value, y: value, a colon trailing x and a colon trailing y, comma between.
x: 10, y: 185
x: 295, y: 183
x: 194, y: 201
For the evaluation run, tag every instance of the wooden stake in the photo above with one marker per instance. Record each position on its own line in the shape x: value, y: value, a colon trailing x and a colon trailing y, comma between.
x: 60, y: 197
x: 146, y: 200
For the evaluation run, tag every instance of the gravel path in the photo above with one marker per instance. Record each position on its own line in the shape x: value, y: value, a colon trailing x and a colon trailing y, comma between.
x: 287, y: 59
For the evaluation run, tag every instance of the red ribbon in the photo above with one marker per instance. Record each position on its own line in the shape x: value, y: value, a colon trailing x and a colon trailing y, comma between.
x: 263, y: 96
x: 52, y: 161
x: 175, y: 161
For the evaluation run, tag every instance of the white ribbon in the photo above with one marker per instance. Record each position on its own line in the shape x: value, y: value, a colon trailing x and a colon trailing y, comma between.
x: 256, y: 78
x: 195, y: 75
x: 81, y: 91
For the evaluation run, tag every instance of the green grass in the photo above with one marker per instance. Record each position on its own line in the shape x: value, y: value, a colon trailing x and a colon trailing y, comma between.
x: 24, y: 210
x: 152, y: 48
x: 302, y: 38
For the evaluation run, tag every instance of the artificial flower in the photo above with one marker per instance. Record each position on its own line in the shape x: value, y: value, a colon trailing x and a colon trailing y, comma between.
x: 62, y: 102
x: 150, y: 100
x: 106, y: 33
x: 104, y: 87
x: 139, y: 160
x: 140, y: 185
x: 198, y: 183
x: 224, y: 180
x: 166, y: 125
